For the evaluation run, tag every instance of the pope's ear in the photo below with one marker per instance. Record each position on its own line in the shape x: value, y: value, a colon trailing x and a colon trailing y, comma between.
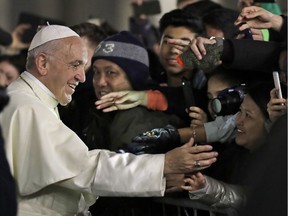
x: 42, y: 63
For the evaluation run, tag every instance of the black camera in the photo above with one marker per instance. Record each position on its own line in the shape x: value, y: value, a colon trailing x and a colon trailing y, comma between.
x: 228, y: 101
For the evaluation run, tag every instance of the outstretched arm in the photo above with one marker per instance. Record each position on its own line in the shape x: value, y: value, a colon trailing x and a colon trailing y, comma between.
x: 122, y: 100
x: 259, y: 18
x: 214, y: 192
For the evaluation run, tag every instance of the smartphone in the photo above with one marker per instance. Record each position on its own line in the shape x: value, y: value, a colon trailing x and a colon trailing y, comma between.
x: 277, y: 84
x: 147, y: 7
x: 188, y: 92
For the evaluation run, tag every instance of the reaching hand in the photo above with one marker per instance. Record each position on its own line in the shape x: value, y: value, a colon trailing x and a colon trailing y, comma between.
x: 195, y: 182
x: 276, y: 107
x: 121, y: 100
x: 198, y: 116
x: 256, y: 33
x: 17, y: 37
x: 189, y: 158
x: 174, y: 182
x: 158, y: 140
x: 259, y: 18
x: 205, y: 54
x: 178, y: 45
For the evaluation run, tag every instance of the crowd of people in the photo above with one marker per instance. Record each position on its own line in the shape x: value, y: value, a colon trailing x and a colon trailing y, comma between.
x: 98, y: 122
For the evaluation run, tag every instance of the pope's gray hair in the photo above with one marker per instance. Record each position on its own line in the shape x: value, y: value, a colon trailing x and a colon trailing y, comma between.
x: 49, y: 47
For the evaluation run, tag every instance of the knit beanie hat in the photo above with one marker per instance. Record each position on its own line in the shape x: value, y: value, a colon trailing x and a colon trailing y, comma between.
x: 127, y: 52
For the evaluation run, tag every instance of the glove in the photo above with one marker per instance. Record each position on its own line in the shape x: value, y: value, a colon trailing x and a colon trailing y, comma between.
x: 212, y: 59
x: 158, y: 140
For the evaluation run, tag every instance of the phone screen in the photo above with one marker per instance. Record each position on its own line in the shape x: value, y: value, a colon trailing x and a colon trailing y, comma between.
x: 277, y: 84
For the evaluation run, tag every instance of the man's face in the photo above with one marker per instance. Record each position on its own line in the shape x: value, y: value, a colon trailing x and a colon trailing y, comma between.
x: 66, y: 68
x: 109, y: 77
x: 169, y: 52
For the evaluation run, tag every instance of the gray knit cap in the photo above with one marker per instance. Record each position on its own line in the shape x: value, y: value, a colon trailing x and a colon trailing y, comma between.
x: 128, y: 52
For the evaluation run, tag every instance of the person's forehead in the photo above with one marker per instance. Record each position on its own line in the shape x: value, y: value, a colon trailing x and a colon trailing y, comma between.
x: 105, y: 63
x: 178, y: 32
x: 71, y: 46
x: 72, y: 41
x: 250, y: 105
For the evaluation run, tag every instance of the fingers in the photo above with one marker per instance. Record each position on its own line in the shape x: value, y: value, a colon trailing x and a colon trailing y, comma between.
x: 22, y: 27
x: 179, y: 42
x: 201, y: 153
x: 178, y: 45
x: 248, y: 13
x: 253, y: 12
x: 243, y: 26
x: 112, y: 96
x: 198, y: 116
x: 273, y: 93
x: 195, y: 182
x: 257, y: 34
x: 204, y: 164
x: 117, y: 101
x: 276, y: 104
x: 190, y: 143
x: 199, y: 148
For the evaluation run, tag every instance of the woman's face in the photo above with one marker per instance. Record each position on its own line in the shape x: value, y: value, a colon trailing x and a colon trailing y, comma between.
x: 9, y: 71
x: 250, y: 123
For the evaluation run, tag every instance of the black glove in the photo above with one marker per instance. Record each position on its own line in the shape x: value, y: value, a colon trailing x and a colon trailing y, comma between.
x: 158, y: 140
x: 188, y: 59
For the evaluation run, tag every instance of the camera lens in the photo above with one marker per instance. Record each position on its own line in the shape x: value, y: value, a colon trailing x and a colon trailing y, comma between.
x: 226, y: 104
x: 216, y: 105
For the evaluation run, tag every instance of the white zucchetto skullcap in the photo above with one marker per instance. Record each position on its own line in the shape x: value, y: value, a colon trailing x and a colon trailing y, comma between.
x: 49, y: 33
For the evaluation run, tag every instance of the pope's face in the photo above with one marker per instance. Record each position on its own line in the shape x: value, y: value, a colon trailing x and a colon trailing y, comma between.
x: 66, y: 68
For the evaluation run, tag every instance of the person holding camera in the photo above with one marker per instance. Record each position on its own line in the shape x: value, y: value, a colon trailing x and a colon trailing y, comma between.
x: 253, y: 125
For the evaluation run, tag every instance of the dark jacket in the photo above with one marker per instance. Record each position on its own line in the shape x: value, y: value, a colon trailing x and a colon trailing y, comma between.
x: 116, y: 129
x: 8, y: 201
